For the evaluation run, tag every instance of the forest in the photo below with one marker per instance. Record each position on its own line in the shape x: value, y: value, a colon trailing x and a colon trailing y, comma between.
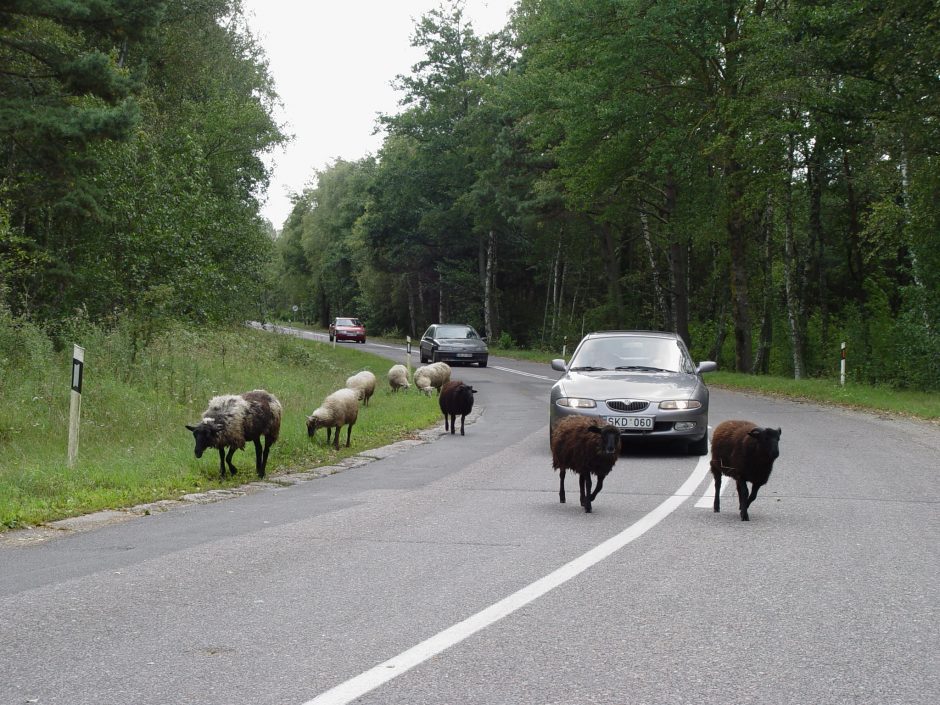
x: 760, y: 176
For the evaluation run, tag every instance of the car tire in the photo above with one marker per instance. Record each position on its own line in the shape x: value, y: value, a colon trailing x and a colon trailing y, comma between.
x: 422, y: 358
x: 331, y: 338
x: 433, y: 357
x: 699, y: 447
x: 483, y: 363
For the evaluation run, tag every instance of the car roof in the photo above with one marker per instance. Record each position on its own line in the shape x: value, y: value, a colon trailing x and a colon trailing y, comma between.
x: 638, y: 333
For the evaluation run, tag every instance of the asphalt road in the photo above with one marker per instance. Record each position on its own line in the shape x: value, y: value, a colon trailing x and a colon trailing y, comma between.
x: 451, y: 574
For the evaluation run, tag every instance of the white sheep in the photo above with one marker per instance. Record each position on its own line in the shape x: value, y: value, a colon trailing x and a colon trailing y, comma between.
x: 398, y: 377
x: 338, y: 409
x: 435, y: 376
x: 363, y: 382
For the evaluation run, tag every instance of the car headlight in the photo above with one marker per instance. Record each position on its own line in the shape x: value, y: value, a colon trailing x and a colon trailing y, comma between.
x: 576, y: 403
x: 679, y: 404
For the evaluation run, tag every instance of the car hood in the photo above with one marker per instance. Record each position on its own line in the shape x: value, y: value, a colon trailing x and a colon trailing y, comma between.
x: 651, y: 386
x: 461, y: 344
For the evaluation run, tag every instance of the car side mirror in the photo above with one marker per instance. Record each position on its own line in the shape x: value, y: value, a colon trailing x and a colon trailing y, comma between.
x: 706, y: 366
x: 559, y: 365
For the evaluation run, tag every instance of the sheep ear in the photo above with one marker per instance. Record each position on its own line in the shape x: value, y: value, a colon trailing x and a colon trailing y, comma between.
x: 779, y: 433
x: 755, y: 432
x: 190, y: 428
x: 594, y: 429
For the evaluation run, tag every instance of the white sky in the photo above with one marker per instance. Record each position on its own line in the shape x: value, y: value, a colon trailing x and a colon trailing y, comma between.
x: 333, y: 63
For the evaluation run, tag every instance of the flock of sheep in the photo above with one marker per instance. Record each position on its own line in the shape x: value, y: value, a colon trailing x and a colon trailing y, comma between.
x: 232, y: 420
x: 740, y: 450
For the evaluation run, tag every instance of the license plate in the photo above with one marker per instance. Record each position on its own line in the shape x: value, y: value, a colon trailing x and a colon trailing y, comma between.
x: 464, y: 354
x: 632, y: 422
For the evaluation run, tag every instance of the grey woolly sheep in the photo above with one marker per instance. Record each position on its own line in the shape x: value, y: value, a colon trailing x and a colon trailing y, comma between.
x: 398, y: 377
x: 435, y: 376
x: 456, y: 399
x: 744, y: 452
x: 363, y: 382
x: 338, y: 409
x: 579, y: 444
x: 231, y: 420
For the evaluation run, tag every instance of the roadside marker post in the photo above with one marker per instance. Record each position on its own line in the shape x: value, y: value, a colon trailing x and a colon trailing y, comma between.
x: 842, y: 366
x: 75, y: 404
x: 408, y: 354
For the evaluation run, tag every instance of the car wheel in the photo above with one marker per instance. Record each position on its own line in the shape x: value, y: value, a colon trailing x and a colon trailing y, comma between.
x: 331, y: 338
x: 699, y: 447
x: 433, y: 357
x: 483, y: 363
x: 422, y: 357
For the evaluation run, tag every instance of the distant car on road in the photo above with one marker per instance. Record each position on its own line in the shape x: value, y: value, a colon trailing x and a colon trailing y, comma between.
x: 451, y: 343
x: 347, y: 329
x: 643, y: 382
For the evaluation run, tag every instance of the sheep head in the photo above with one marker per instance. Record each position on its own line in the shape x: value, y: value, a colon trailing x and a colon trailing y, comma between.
x: 610, y: 439
x: 205, y: 432
x: 768, y: 440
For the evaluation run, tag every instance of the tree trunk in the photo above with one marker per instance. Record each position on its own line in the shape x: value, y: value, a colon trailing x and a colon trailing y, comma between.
x: 658, y: 293
x: 790, y: 272
x: 762, y: 358
x: 814, y: 183
x: 612, y: 269
x: 678, y: 268
x: 737, y: 240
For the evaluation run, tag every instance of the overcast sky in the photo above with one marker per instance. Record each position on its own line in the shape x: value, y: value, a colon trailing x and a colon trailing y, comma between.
x: 333, y: 63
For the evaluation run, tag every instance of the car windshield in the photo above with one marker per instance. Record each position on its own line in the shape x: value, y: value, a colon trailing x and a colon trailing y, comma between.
x: 629, y: 354
x: 348, y: 322
x: 455, y: 332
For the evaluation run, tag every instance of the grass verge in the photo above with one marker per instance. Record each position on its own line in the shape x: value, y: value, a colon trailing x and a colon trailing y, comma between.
x: 134, y: 447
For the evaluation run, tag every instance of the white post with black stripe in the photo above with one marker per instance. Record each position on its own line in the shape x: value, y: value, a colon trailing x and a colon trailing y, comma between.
x: 75, y: 406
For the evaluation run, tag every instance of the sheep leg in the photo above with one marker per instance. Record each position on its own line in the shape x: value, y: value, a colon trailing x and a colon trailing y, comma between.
x: 717, y: 505
x: 336, y: 438
x: 597, y: 490
x: 328, y: 430
x: 259, y: 462
x: 222, y: 462
x: 228, y: 459
x: 462, y: 417
x: 264, y: 459
x: 585, y: 478
x: 742, y: 499
x: 453, y: 425
x: 446, y: 427
x: 348, y: 434
x: 561, y: 486
x: 753, y: 496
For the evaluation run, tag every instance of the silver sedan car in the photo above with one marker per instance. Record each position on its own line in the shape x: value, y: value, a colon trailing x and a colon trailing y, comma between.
x: 643, y: 382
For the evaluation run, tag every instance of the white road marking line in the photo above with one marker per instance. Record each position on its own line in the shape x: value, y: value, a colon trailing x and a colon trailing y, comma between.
x: 524, y: 374
x: 708, y: 499
x: 370, y: 680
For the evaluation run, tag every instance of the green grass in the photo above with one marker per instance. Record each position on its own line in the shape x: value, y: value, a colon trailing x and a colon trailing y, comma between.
x: 134, y: 447
x: 923, y: 405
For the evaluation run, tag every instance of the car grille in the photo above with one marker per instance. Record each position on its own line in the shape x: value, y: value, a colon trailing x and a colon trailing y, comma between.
x: 627, y: 405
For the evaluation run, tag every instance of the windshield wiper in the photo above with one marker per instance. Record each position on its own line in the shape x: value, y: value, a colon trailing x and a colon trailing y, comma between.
x: 641, y: 368
x: 588, y: 368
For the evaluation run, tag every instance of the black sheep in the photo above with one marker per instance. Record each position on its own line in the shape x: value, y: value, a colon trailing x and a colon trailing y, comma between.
x: 581, y: 445
x: 456, y: 399
x: 231, y: 420
x: 744, y: 452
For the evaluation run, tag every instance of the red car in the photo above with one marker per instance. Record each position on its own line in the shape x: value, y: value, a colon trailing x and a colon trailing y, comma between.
x: 347, y: 329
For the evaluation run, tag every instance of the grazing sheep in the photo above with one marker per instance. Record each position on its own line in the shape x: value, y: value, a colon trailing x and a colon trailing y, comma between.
x: 398, y: 377
x: 579, y: 444
x: 364, y: 383
x: 435, y: 375
x: 234, y: 419
x: 744, y: 452
x: 338, y: 409
x: 456, y: 398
